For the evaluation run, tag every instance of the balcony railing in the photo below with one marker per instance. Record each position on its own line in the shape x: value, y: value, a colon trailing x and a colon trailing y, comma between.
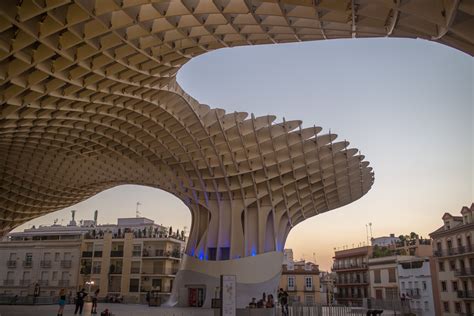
x: 116, y: 253
x: 25, y: 282
x: 464, y: 272
x: 97, y: 254
x: 134, y: 270
x: 11, y: 263
x: 454, y: 251
x: 66, y: 263
x: 413, y: 293
x: 351, y: 281
x: 349, y: 266
x: 64, y: 283
x: 45, y: 263
x: 466, y: 294
x: 87, y: 254
x: 116, y: 270
x: 136, y: 253
x: 8, y: 282
x: 43, y: 282
x: 86, y: 270
x: 96, y: 270
x: 27, y: 264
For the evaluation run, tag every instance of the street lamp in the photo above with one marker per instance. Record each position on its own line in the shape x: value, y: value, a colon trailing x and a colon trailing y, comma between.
x: 90, y: 283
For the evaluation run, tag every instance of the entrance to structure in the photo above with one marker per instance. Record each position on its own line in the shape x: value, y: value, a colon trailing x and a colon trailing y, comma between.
x: 196, y: 296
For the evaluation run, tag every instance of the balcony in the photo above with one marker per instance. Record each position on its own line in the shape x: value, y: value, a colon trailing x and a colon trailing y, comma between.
x: 11, y: 264
x: 454, y: 251
x: 45, y: 263
x: 97, y: 254
x: 96, y: 270
x: 466, y: 295
x: 87, y: 254
x: 350, y: 281
x: 66, y: 263
x: 8, y: 282
x: 86, y: 270
x: 43, y: 282
x: 116, y: 253
x: 135, y: 270
x: 413, y: 293
x: 136, y: 253
x: 466, y: 272
x: 27, y: 264
x: 115, y: 270
x: 357, y: 266
x: 25, y: 282
x: 64, y: 283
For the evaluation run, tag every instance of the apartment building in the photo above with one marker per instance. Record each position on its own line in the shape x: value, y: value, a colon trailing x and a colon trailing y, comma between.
x: 415, y: 283
x: 327, y: 283
x: 301, y: 280
x: 454, y: 254
x: 130, y: 259
x: 383, y: 278
x: 44, y: 258
x: 352, y: 279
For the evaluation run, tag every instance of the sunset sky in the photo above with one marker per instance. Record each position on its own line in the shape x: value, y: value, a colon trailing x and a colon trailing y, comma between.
x: 406, y: 104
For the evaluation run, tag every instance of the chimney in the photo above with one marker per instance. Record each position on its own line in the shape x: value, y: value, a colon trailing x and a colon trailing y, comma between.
x: 96, y: 214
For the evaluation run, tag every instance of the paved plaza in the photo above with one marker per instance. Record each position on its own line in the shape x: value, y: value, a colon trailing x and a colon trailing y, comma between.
x: 116, y: 309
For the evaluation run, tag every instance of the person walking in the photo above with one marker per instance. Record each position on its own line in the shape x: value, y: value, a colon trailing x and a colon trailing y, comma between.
x: 80, y: 301
x: 95, y: 296
x: 62, y: 301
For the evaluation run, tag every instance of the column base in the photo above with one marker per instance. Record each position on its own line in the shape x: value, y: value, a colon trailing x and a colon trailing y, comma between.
x: 255, y: 275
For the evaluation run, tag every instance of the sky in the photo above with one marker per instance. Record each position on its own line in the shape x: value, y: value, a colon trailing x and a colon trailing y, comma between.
x: 406, y: 104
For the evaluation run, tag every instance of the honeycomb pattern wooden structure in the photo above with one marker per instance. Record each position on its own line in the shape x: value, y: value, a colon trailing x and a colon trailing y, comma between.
x: 89, y: 100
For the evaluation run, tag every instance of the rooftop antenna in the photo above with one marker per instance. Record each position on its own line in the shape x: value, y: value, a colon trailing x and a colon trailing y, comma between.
x: 137, y: 213
x: 367, y: 232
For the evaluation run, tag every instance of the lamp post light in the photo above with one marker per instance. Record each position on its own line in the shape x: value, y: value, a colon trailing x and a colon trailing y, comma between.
x: 89, y: 283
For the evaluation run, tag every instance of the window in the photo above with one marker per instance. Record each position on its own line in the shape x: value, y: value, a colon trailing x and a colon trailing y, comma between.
x: 452, y: 265
x: 134, y: 285
x: 444, y: 288
x: 446, y: 307
x: 403, y: 285
x: 457, y: 307
x: 438, y: 246
x: 392, y: 275
x: 44, y: 275
x: 378, y: 294
x: 137, y: 251
x: 55, y: 275
x: 96, y: 267
x: 441, y: 265
x: 12, y: 256
x: 427, y: 307
x: 57, y: 256
x: 309, y: 299
x: 455, y: 286
x: 424, y: 285
x: 291, y: 282
x: 377, y: 276
x: 308, y: 281
x: 29, y: 257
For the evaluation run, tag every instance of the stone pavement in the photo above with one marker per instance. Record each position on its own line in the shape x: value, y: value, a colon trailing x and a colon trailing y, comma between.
x: 116, y: 309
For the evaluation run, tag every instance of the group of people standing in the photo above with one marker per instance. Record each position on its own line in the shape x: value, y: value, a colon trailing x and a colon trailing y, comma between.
x: 80, y: 297
x: 268, y: 301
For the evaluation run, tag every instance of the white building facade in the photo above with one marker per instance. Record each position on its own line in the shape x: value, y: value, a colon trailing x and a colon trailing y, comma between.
x: 414, y: 276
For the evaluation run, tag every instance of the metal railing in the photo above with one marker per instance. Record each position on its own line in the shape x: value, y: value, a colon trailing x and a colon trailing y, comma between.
x: 8, y: 282
x: 343, y: 281
x: 43, y: 282
x: 11, y: 263
x: 97, y: 254
x: 464, y: 272
x: 27, y: 264
x: 135, y: 270
x: 66, y: 263
x: 116, y: 253
x: 87, y: 254
x: 454, y: 251
x: 413, y: 293
x: 64, y: 283
x: 349, y: 266
x: 45, y: 263
x: 466, y: 294
x: 25, y: 282
x: 96, y: 270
